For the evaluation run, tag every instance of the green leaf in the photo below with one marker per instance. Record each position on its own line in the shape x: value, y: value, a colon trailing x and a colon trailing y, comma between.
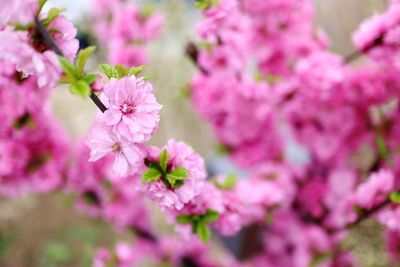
x: 66, y: 79
x: 89, y: 78
x: 203, y: 232
x: 82, y: 58
x: 146, y: 11
x: 179, y: 173
x: 80, y: 88
x: 230, y: 181
x: 210, y: 216
x: 52, y: 15
x: 164, y: 157
x: 228, y: 184
x: 151, y: 175
x: 121, y: 70
x: 135, y: 70
x: 184, y: 219
x: 382, y: 147
x: 22, y: 27
x: 58, y: 252
x: 178, y: 183
x: 395, y: 197
x: 67, y: 67
x: 109, y: 70
x: 41, y: 4
x: 206, y: 4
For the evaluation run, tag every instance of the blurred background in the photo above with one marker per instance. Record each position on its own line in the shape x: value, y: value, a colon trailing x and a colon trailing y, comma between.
x: 46, y: 231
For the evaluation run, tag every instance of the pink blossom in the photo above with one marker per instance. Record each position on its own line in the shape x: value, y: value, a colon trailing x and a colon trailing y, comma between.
x: 231, y: 219
x: 34, y: 157
x: 375, y: 190
x: 64, y: 36
x: 127, y: 155
x: 18, y: 11
x: 133, y: 110
x: 16, y: 49
x: 180, y: 155
x: 126, y: 54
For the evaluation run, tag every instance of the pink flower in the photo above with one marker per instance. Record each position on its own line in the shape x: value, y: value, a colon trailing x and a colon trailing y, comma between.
x: 126, y: 54
x: 128, y: 155
x: 180, y: 155
x: 33, y: 156
x: 370, y: 32
x: 133, y: 110
x: 64, y: 35
x: 16, y: 49
x: 375, y: 190
x: 231, y: 219
x: 17, y: 11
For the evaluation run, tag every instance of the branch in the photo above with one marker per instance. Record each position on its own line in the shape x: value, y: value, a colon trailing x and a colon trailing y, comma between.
x: 46, y: 37
x: 369, y: 213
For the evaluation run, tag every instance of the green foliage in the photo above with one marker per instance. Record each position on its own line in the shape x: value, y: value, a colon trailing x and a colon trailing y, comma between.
x: 151, y: 175
x: 120, y: 71
x: 171, y: 178
x: 83, y: 57
x: 68, y: 68
x: 228, y: 184
x: 57, y: 252
x: 109, y: 70
x: 80, y: 88
x: 199, y: 223
x: 164, y: 157
x: 52, y: 15
x: 206, y: 4
x: 210, y: 216
x: 203, y: 232
x: 178, y: 174
x: 395, y: 197
x: 74, y: 75
x: 89, y: 78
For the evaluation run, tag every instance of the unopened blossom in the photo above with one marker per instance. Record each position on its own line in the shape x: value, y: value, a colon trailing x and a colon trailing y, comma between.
x: 133, y: 111
x: 127, y: 155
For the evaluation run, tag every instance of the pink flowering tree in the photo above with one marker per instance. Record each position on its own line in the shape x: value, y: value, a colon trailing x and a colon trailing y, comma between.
x: 265, y: 80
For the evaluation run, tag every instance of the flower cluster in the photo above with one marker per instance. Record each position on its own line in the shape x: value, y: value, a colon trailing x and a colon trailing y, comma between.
x: 131, y: 117
x: 266, y: 83
x: 34, y: 150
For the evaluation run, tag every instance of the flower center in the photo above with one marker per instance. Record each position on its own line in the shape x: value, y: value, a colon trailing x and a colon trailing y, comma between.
x: 127, y: 108
x: 116, y: 148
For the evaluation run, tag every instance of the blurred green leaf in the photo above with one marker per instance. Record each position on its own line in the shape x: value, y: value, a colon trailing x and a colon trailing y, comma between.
x: 151, y: 175
x: 80, y: 88
x: 58, y: 252
x: 82, y: 57
x: 164, y: 157
x: 210, y: 216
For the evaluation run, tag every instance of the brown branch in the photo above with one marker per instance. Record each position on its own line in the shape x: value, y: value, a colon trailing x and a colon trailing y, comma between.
x: 369, y: 213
